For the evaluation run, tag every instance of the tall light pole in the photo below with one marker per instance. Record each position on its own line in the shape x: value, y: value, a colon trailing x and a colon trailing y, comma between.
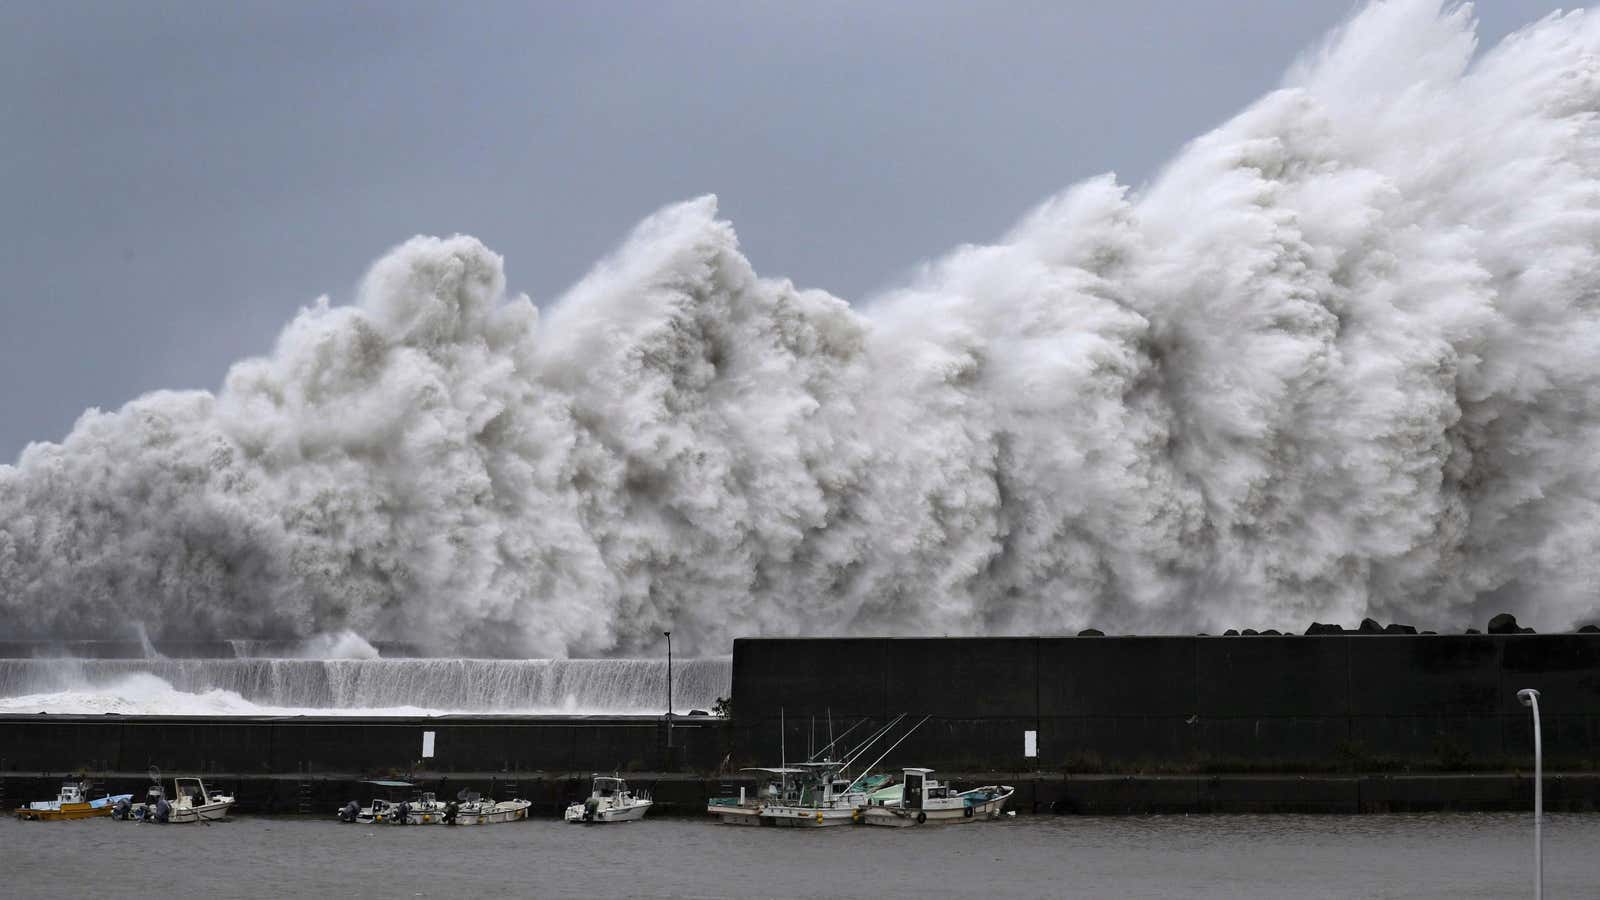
x: 669, y: 688
x: 1530, y: 698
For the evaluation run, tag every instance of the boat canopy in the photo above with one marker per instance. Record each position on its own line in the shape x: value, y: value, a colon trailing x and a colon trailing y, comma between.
x: 775, y: 771
x: 391, y: 784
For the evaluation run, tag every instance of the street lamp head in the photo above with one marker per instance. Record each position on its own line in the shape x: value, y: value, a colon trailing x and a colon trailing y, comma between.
x: 1527, y: 696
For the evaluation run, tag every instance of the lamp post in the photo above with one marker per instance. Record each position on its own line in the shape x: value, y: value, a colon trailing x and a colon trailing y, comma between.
x: 669, y: 688
x: 1530, y: 698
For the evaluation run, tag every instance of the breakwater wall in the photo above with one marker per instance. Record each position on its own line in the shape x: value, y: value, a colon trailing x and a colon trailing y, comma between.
x: 1151, y: 705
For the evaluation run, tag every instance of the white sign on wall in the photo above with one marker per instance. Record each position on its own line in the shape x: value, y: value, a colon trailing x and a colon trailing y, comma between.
x: 1030, y: 744
x: 427, y: 745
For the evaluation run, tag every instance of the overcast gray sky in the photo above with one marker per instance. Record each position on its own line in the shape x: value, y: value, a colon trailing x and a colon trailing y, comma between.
x: 176, y: 179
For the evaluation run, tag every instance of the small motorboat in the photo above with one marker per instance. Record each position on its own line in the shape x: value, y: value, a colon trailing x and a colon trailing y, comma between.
x: 193, y: 803
x: 921, y: 800
x: 474, y: 809
x: 610, y: 800
x: 190, y: 802
x: 402, y: 804
x: 71, y: 803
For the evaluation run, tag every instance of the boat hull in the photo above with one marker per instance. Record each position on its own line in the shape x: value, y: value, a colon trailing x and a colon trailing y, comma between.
x: 736, y: 815
x: 807, y: 817
x: 58, y: 812
x: 631, y: 813
x: 205, y: 812
x: 504, y: 811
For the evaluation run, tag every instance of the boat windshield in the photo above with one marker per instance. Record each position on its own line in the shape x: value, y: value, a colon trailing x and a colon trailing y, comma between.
x: 606, y: 787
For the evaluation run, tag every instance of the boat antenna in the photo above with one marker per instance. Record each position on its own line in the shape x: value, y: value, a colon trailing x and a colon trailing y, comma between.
x: 783, y: 748
x: 887, y: 752
x: 830, y: 726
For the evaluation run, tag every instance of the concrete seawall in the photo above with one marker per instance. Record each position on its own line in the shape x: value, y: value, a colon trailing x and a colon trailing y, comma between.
x: 1340, y: 724
x: 1184, y: 704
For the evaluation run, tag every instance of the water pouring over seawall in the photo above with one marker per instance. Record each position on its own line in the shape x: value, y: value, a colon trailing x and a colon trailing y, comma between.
x: 359, y: 686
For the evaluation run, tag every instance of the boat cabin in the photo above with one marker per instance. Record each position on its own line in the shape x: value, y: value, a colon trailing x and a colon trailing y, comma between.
x: 190, y: 791
x: 72, y: 792
x: 919, y: 787
x: 608, y: 787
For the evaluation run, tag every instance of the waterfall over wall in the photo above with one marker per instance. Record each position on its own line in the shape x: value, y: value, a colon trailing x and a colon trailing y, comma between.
x: 309, y: 686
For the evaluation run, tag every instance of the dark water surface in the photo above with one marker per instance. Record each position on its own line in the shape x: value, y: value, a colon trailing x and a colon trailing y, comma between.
x: 1446, y: 856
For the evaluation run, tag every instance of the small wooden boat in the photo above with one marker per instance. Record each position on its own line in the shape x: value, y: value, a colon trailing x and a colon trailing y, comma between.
x: 920, y: 800
x: 71, y: 803
x: 610, y: 800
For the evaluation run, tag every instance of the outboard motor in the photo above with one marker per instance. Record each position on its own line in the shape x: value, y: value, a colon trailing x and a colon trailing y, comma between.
x: 591, y: 809
x: 350, y: 811
x: 402, y: 813
x: 450, y: 810
x: 122, y: 810
x: 163, y: 811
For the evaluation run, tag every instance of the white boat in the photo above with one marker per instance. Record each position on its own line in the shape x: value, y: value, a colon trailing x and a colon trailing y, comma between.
x: 819, y: 797
x: 815, y: 793
x: 476, y: 810
x: 921, y: 800
x: 402, y: 805
x: 190, y: 802
x: 745, y: 808
x: 193, y: 803
x: 610, y: 800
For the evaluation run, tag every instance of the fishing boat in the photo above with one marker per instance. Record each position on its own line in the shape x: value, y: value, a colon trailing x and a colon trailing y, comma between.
x: 473, y: 809
x: 745, y: 807
x: 609, y: 800
x: 817, y: 793
x: 402, y: 804
x: 71, y: 803
x: 921, y: 800
x: 820, y: 796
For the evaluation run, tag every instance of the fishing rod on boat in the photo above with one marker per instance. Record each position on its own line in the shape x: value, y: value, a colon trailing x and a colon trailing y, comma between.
x: 831, y: 743
x: 887, y: 752
x: 871, y: 739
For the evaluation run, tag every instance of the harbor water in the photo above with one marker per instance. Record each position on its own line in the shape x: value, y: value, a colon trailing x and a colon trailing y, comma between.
x: 1455, y: 856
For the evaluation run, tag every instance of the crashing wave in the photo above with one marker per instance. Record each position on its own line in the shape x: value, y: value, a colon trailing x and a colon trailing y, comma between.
x: 1337, y: 360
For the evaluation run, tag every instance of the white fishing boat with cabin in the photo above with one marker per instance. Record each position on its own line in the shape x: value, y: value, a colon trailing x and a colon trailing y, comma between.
x: 610, y: 800
x: 921, y: 800
x: 820, y: 796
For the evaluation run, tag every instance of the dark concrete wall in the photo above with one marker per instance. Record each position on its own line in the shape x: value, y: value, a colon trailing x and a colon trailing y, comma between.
x: 1291, y: 703
x: 354, y: 745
